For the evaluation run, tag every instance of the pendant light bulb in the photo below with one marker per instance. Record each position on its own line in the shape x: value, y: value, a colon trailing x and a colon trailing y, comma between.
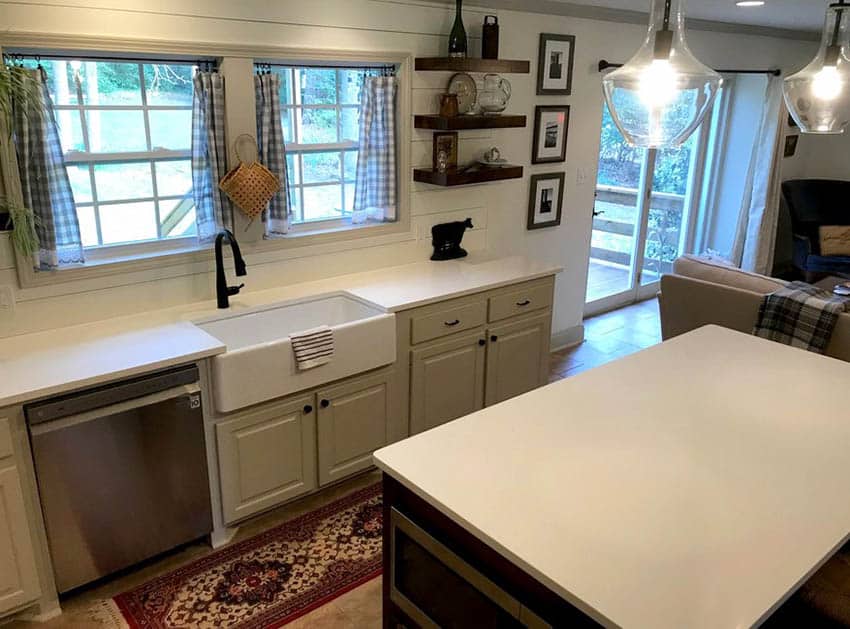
x: 663, y: 93
x: 818, y: 96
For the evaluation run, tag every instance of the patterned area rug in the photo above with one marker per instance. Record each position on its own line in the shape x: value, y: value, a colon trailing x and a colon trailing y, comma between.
x: 271, y: 579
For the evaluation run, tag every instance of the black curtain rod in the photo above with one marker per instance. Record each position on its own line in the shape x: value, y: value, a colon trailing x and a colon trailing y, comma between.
x: 330, y: 66
x: 605, y: 65
x: 117, y: 57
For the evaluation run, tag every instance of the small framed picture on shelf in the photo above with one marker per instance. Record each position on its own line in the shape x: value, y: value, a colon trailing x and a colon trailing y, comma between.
x: 445, y: 151
x: 551, y: 124
x: 555, y: 65
x: 545, y: 200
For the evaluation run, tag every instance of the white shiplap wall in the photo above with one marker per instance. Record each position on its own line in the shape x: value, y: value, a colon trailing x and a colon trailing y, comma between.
x: 498, y: 210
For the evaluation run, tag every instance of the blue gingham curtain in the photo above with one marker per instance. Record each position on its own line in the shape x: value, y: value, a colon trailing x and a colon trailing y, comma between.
x: 271, y: 150
x: 45, y: 186
x: 209, y: 156
x: 376, y: 184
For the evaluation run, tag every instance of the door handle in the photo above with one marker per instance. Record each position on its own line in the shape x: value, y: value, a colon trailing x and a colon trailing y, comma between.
x: 325, y: 403
x: 524, y: 302
x: 598, y: 213
x: 494, y: 338
x: 452, y: 324
x: 308, y: 409
x: 482, y: 342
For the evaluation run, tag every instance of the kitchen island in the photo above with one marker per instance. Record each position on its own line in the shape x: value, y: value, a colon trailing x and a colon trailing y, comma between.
x: 696, y: 484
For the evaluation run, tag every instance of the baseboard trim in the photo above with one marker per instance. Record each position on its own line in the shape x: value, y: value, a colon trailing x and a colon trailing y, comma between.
x: 568, y: 338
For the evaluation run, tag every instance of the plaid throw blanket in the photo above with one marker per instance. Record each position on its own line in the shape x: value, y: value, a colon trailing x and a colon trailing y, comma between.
x: 800, y: 315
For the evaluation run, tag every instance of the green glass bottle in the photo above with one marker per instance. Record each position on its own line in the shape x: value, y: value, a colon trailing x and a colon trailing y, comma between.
x: 457, y: 39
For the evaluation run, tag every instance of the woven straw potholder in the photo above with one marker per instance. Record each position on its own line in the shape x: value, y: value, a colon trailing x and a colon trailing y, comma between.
x: 250, y: 185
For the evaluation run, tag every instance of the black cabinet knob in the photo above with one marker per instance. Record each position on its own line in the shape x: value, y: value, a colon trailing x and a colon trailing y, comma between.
x: 325, y: 403
x: 482, y: 342
x: 308, y: 409
x: 494, y: 338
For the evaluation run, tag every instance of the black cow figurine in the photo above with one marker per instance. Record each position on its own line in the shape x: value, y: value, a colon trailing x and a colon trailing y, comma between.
x: 446, y: 239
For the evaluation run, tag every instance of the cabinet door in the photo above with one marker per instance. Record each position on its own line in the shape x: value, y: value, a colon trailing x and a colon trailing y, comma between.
x: 353, y: 423
x: 267, y: 457
x: 18, y: 577
x: 447, y: 381
x: 517, y: 358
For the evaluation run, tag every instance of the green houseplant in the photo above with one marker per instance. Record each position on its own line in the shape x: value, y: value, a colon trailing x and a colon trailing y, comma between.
x: 17, y: 85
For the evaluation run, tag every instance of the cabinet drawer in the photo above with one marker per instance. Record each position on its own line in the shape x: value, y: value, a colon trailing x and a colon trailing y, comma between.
x: 447, y: 322
x: 5, y: 438
x: 521, y: 301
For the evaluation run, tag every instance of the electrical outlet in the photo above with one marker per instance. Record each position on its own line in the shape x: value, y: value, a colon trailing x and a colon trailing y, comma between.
x: 7, y: 299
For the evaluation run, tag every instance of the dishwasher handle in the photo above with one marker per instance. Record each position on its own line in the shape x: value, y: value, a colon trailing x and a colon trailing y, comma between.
x: 192, y: 393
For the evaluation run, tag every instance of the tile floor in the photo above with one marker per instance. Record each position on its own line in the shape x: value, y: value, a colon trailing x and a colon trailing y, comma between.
x: 607, y: 337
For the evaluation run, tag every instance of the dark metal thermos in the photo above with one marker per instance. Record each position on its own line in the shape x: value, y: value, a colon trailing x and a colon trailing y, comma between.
x: 490, y: 38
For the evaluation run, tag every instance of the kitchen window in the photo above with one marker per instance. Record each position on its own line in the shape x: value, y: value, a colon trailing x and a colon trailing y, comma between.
x: 126, y: 132
x: 320, y: 111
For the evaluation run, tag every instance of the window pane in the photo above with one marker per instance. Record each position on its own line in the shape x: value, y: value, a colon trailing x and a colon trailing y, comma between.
x: 108, y: 83
x: 80, y: 182
x: 350, y: 82
x: 167, y: 84
x: 116, y: 131
x: 350, y: 165
x: 286, y: 120
x: 123, y: 181
x: 171, y: 129
x: 173, y: 178
x: 178, y: 218
x: 349, y: 197
x: 321, y: 167
x: 322, y: 202
x: 286, y: 97
x: 318, y: 86
x: 350, y: 124
x: 127, y: 222
x: 293, y: 173
x: 318, y: 126
x: 70, y: 130
x: 295, y: 204
x: 61, y: 83
x: 88, y: 226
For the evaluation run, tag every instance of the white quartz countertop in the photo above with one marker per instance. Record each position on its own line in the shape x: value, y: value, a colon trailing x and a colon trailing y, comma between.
x: 695, y: 484
x: 34, y: 366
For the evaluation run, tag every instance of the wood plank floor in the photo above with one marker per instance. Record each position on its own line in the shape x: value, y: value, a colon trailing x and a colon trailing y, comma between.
x: 607, y: 337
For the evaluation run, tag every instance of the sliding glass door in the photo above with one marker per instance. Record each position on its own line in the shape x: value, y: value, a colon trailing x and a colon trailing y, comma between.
x: 642, y: 216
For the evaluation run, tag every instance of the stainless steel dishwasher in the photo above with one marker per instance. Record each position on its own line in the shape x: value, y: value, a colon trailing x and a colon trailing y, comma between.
x: 122, y: 473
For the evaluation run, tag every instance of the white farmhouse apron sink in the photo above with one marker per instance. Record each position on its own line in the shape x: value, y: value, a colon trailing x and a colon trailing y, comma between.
x: 259, y: 364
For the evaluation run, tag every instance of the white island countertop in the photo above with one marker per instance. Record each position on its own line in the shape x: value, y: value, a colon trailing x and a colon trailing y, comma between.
x: 695, y: 484
x: 41, y: 364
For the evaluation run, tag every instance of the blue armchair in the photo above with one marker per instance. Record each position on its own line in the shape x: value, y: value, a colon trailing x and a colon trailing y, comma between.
x: 812, y: 203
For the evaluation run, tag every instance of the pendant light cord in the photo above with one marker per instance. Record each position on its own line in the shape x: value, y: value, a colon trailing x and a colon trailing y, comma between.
x: 667, y: 6
x: 839, y: 14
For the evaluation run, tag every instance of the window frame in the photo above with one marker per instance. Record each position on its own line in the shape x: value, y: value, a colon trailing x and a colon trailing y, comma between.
x: 236, y: 62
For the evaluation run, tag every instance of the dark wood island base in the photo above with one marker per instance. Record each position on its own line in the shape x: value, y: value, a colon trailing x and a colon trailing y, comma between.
x: 437, y: 574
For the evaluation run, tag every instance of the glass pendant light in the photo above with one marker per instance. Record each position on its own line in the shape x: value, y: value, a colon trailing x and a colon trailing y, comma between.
x: 662, y: 94
x: 818, y: 96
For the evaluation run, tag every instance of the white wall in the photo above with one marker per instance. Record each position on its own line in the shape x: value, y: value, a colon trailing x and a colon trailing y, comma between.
x: 498, y: 209
x: 822, y: 156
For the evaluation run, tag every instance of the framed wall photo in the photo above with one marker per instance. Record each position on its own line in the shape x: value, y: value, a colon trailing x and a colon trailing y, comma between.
x: 445, y: 151
x: 555, y: 65
x: 551, y: 125
x: 545, y: 200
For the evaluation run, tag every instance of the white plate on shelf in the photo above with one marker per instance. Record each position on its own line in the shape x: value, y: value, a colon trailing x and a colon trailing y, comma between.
x: 496, y: 162
x: 467, y: 94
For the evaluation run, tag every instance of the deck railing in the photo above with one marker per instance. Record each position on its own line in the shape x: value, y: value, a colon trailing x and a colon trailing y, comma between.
x: 618, y: 213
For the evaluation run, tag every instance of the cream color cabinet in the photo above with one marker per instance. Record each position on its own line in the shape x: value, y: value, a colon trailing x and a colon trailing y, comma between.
x: 267, y: 456
x: 473, y: 351
x: 353, y: 423
x: 19, y: 583
x: 447, y: 381
x: 517, y: 358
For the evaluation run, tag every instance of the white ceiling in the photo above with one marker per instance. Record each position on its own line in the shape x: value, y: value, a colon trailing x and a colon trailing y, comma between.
x: 788, y: 14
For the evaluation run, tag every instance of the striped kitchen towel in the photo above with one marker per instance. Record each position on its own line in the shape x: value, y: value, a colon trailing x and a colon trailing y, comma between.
x: 313, y: 348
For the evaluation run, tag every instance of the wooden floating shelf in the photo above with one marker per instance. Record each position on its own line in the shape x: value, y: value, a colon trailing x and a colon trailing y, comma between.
x: 466, y: 177
x: 461, y: 123
x: 469, y: 64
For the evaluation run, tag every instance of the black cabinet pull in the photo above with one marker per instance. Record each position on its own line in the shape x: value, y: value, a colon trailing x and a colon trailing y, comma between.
x: 494, y: 338
x: 525, y: 302
x: 308, y: 409
x: 325, y: 403
x: 482, y: 342
x: 452, y: 324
